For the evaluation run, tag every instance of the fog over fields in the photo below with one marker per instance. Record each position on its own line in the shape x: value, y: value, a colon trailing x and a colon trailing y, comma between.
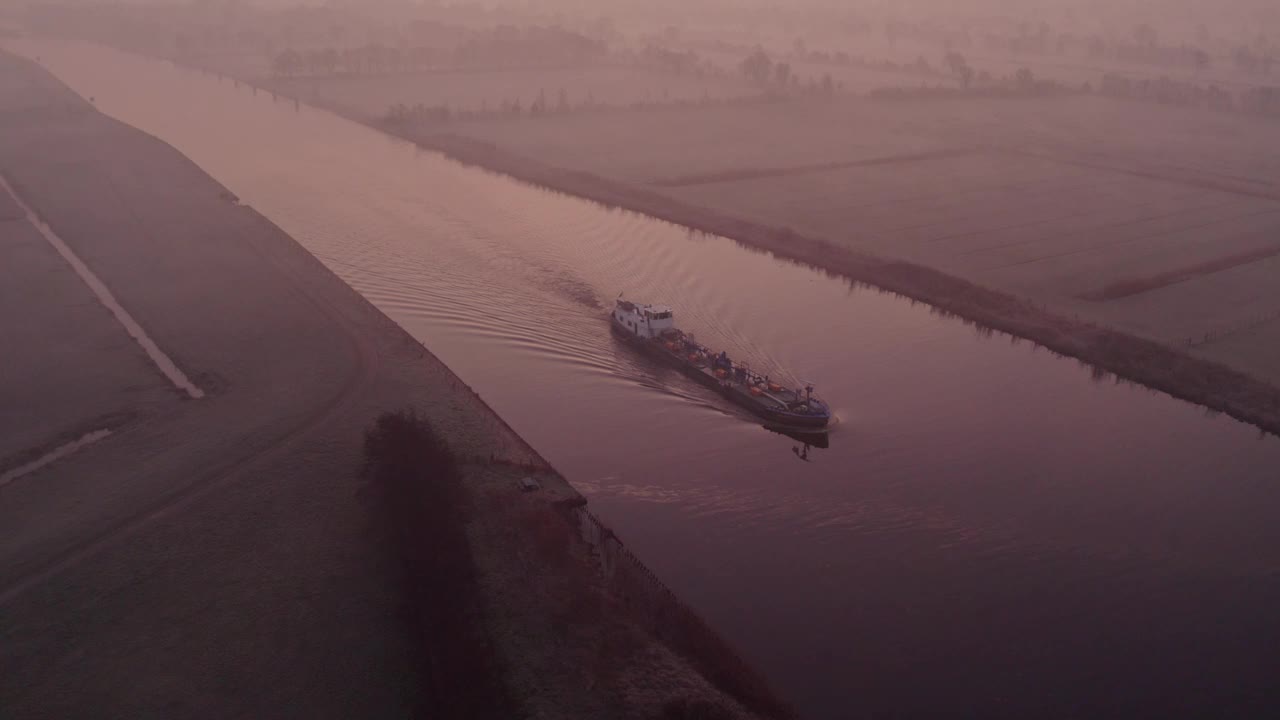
x: 186, y: 388
x: 1109, y: 161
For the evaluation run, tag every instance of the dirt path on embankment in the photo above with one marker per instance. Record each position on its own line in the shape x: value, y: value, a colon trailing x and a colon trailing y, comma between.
x: 215, y: 556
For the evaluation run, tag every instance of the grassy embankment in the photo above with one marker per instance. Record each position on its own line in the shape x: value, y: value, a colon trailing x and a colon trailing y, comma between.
x: 444, y: 518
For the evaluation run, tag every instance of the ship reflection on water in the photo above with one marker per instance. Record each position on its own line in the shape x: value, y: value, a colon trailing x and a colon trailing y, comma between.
x: 808, y: 439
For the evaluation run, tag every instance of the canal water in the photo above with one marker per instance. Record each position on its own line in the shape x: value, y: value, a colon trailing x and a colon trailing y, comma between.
x: 991, y: 531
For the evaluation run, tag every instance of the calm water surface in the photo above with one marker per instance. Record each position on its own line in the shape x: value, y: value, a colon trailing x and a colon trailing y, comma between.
x: 991, y: 532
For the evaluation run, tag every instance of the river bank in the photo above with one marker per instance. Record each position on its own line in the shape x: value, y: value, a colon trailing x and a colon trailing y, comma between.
x: 216, y: 554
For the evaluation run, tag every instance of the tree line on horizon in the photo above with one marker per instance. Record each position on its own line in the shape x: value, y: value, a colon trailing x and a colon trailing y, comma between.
x: 440, y: 113
x: 502, y: 46
x: 1141, y: 44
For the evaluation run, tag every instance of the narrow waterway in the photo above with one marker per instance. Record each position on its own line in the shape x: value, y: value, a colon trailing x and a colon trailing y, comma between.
x: 992, y: 530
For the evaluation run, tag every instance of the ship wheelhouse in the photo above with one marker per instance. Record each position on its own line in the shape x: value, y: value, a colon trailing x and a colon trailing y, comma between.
x: 645, y: 321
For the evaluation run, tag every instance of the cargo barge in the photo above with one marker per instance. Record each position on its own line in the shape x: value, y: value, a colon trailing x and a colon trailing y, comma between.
x: 652, y: 329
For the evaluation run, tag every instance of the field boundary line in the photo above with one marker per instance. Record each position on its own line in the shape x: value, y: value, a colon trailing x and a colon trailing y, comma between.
x: 162, y: 361
x: 729, y: 176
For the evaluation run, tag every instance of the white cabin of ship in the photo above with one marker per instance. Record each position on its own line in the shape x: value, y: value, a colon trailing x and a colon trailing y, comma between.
x: 645, y: 321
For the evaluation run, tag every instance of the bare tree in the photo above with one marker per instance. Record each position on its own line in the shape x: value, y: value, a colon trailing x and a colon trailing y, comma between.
x: 782, y: 73
x: 960, y: 67
x: 757, y: 66
x: 1146, y: 36
x: 1024, y: 79
x: 287, y: 63
x: 1201, y: 58
x: 1245, y: 59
